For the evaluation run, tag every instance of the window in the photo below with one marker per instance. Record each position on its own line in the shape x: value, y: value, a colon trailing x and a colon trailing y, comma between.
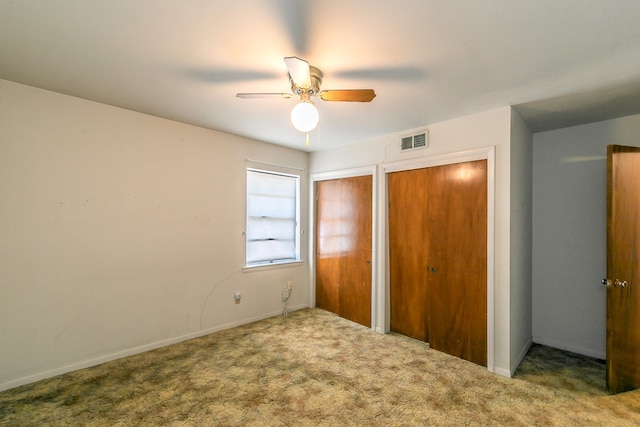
x: 273, y: 214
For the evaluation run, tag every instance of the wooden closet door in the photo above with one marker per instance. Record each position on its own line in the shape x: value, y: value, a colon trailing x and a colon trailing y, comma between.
x: 408, y: 252
x: 343, y: 267
x: 438, y: 257
x: 328, y: 231
x: 355, y: 259
x: 458, y: 260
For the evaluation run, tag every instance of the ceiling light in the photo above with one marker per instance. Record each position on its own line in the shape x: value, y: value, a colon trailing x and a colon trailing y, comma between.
x: 304, y: 116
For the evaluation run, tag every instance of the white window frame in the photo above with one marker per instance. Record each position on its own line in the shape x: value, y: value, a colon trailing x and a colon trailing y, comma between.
x: 273, y: 262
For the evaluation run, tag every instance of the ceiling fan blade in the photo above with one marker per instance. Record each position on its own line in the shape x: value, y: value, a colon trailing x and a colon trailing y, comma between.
x: 349, y: 95
x: 299, y: 71
x: 264, y: 95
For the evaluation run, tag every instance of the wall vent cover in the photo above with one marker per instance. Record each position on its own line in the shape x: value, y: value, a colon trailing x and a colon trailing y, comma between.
x: 415, y: 141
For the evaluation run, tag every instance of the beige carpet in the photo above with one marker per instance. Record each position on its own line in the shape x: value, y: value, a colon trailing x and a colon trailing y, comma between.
x: 314, y: 368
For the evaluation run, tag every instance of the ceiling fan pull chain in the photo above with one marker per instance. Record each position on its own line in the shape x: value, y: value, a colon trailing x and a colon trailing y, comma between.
x: 307, y: 142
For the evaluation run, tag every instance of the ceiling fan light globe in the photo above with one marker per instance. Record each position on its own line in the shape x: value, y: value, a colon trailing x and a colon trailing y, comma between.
x: 304, y: 116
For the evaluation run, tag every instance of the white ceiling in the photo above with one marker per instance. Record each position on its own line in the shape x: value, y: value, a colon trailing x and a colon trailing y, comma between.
x: 561, y: 62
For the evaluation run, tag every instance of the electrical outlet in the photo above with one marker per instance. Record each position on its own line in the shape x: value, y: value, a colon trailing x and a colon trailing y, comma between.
x: 238, y: 297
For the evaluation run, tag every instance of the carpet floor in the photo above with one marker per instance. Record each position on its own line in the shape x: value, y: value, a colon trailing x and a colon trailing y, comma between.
x: 314, y: 368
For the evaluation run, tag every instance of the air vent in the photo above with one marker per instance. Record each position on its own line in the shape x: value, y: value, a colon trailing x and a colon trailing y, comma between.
x: 412, y: 142
x: 407, y: 143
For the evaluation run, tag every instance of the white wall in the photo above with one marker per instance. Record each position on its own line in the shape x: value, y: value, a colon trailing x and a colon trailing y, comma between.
x: 521, y: 235
x: 121, y: 232
x: 569, y: 233
x: 491, y: 128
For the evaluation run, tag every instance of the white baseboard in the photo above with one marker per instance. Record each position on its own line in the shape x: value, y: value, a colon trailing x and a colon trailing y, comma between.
x: 135, y: 350
x: 502, y: 372
x: 508, y: 373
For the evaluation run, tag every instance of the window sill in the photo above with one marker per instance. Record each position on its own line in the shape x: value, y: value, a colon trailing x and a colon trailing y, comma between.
x: 252, y: 268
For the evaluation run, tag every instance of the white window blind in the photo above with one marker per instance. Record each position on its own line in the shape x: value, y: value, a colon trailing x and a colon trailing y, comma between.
x: 272, y: 217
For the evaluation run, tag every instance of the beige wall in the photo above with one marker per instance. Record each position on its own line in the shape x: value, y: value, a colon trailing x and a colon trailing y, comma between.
x: 121, y: 232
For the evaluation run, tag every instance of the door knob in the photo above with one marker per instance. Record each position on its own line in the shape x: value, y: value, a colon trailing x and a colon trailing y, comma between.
x: 614, y: 283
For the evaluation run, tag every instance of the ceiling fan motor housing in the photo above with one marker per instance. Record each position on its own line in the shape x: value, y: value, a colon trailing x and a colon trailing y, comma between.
x: 316, y: 82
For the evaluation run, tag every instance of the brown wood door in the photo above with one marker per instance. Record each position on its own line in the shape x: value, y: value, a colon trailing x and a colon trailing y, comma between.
x: 328, y: 231
x: 343, y: 266
x: 458, y: 260
x: 623, y: 268
x: 408, y: 252
x: 355, y: 248
x: 438, y: 257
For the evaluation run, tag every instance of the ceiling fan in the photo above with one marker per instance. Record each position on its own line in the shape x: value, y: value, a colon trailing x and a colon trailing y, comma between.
x: 305, y: 83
